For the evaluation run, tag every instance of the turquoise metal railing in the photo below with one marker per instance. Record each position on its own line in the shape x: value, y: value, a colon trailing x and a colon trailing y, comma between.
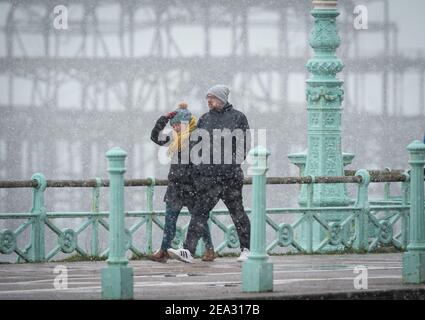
x: 365, y: 226
x: 257, y: 271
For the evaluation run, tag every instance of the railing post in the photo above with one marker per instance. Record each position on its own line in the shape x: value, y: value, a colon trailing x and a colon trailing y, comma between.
x: 37, y: 233
x: 414, y: 258
x: 405, y: 192
x: 117, y: 277
x: 257, y: 273
x: 309, y: 224
x: 361, y: 226
x: 149, y: 220
x: 387, y: 187
x: 95, y: 219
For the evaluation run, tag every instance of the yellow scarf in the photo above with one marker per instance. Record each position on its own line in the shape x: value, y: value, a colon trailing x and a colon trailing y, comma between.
x: 181, y: 140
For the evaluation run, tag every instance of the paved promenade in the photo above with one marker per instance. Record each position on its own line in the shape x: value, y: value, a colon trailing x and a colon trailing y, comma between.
x: 295, y: 277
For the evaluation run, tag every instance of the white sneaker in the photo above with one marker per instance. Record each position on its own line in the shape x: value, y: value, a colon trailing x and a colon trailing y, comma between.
x: 244, y: 255
x: 181, y: 254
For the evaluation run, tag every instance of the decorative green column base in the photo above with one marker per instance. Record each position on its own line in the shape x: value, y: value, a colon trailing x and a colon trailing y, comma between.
x: 117, y: 283
x: 414, y: 267
x: 300, y: 159
x: 257, y: 276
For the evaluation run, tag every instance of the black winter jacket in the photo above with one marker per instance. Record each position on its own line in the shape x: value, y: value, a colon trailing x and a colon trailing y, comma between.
x: 180, y: 181
x: 225, y: 118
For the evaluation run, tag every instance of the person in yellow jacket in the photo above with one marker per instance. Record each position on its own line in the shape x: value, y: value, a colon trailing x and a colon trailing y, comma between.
x: 180, y: 191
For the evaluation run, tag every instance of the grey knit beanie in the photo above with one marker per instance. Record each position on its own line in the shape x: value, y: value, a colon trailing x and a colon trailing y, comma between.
x: 220, y: 91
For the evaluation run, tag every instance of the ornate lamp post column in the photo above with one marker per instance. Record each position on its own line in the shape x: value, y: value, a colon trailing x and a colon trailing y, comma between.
x: 324, y: 95
x: 324, y: 98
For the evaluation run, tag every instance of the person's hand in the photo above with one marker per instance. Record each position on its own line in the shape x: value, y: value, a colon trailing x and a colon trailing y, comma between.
x: 171, y: 114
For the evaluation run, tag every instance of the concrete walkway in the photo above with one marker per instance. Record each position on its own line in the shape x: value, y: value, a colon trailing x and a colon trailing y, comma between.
x: 295, y: 277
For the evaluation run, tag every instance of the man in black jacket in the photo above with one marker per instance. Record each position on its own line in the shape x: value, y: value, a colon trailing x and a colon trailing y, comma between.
x: 219, y: 178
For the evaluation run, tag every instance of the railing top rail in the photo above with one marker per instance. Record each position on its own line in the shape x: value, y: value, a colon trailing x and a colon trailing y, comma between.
x: 350, y: 177
x: 384, y: 172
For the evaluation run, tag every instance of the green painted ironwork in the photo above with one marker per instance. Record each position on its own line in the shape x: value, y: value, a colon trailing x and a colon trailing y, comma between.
x: 117, y: 277
x: 37, y: 248
x: 414, y: 258
x: 257, y: 272
x: 95, y: 219
x: 361, y: 241
x: 324, y: 96
x: 284, y: 236
x: 405, y: 199
x: 149, y: 222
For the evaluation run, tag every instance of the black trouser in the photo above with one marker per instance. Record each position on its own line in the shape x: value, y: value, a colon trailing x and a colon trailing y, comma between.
x: 171, y: 215
x: 209, y: 190
x: 180, y: 195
